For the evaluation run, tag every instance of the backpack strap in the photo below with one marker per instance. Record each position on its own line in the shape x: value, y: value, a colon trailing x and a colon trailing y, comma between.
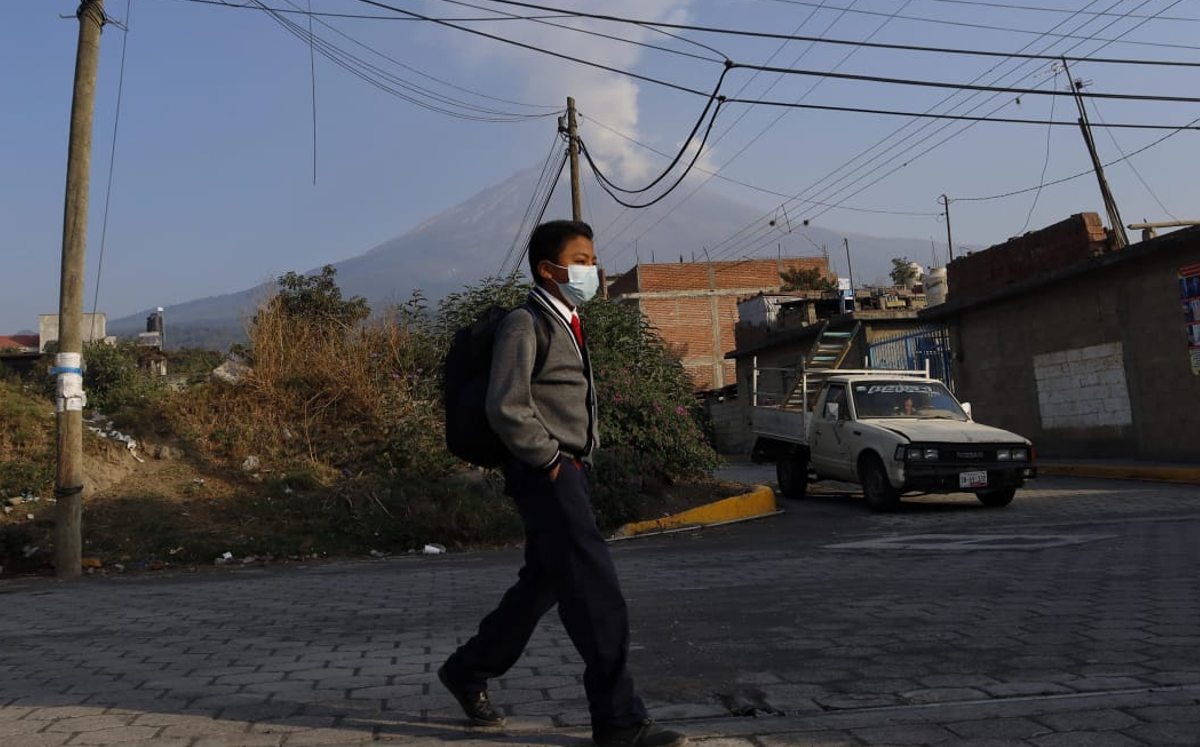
x: 541, y: 332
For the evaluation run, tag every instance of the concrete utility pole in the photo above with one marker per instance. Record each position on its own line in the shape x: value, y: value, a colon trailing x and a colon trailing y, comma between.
x: 849, y: 266
x: 573, y: 152
x: 949, y: 239
x: 68, y: 364
x: 1110, y: 203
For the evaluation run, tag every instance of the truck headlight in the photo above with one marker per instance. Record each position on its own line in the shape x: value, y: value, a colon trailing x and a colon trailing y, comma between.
x: 1004, y: 455
x: 931, y: 454
x: 1020, y: 455
x: 914, y: 455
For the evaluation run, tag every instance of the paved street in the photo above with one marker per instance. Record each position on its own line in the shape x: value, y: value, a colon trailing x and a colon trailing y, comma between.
x: 1070, y: 618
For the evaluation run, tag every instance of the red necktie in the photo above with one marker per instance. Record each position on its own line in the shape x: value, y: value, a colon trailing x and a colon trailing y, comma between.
x: 577, y: 328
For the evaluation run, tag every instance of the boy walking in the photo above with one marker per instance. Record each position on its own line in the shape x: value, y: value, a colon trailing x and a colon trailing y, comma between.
x: 541, y: 402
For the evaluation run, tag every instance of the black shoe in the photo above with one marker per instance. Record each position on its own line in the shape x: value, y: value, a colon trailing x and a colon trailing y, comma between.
x: 645, y: 734
x: 475, y: 704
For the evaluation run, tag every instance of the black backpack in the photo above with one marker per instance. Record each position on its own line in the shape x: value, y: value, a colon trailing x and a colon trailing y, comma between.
x: 465, y: 383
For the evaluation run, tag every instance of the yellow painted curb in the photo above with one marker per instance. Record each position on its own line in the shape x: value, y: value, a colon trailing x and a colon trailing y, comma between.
x: 1187, y: 475
x: 759, y: 502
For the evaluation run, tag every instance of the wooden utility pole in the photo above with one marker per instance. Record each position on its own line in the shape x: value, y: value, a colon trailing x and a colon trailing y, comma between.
x: 573, y: 152
x: 1120, y: 238
x: 68, y: 364
x: 949, y: 238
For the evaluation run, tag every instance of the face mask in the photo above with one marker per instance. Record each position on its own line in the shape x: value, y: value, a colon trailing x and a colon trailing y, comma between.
x: 582, y: 283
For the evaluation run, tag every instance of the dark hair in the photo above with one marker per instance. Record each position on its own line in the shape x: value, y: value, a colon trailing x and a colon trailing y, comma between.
x: 549, y: 238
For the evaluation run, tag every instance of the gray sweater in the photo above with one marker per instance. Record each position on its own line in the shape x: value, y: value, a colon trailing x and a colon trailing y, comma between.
x: 536, y: 417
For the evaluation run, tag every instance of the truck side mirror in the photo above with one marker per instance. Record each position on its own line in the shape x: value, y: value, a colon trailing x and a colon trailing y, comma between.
x: 966, y: 406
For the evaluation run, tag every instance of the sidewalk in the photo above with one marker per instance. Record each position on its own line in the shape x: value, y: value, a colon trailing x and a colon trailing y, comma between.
x: 1117, y: 469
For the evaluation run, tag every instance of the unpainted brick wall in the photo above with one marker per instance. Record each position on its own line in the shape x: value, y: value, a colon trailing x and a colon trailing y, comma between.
x: 685, y: 319
x: 1069, y: 242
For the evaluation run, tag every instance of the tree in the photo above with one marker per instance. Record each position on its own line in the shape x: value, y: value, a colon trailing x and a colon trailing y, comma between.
x: 317, y: 298
x: 811, y: 278
x: 903, y: 272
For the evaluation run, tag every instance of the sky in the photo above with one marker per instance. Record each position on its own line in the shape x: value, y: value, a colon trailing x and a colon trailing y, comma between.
x: 212, y: 181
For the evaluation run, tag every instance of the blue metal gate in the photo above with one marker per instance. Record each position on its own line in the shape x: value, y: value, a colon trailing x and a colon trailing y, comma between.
x: 910, y: 352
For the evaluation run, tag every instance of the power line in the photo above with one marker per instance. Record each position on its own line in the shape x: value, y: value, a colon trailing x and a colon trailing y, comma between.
x: 250, y: 5
x: 908, y: 159
x: 993, y: 27
x: 541, y: 214
x: 783, y: 113
x: 1112, y: 136
x: 637, y: 215
x: 112, y: 163
x: 747, y: 185
x: 1085, y: 172
x: 604, y: 182
x: 721, y: 56
x: 713, y: 98
x: 1045, y: 165
x: 537, y: 188
x: 960, y: 86
x: 1015, y: 6
x: 847, y: 42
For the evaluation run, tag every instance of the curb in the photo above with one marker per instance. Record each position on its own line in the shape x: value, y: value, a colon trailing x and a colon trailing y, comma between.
x: 1185, y: 475
x: 758, y: 502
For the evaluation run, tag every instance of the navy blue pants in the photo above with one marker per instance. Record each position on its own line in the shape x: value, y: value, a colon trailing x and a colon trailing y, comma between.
x: 566, y: 563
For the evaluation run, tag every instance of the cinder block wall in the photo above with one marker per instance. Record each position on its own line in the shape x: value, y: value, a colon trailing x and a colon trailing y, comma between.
x: 1131, y: 310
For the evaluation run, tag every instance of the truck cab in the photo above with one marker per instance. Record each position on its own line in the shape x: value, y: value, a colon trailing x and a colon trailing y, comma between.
x: 893, y: 433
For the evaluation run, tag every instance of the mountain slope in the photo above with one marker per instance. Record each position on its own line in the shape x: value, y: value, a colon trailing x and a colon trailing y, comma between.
x: 469, y: 241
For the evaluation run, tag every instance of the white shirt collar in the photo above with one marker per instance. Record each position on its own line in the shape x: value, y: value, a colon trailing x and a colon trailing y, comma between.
x: 566, y: 312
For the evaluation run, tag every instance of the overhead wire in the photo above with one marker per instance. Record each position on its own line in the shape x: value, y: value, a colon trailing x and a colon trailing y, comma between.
x: 798, y: 197
x: 993, y: 27
x: 557, y: 175
x: 1045, y: 164
x: 725, y: 31
x: 1132, y: 167
x: 533, y: 197
x: 845, y: 58
x: 1085, y: 172
x: 1042, y: 9
x: 391, y: 83
x: 636, y: 215
x: 112, y: 162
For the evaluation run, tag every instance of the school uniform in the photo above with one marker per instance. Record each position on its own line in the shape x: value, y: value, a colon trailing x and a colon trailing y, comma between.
x: 546, y: 418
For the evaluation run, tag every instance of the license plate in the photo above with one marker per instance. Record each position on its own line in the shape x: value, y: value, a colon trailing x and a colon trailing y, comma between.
x: 972, y: 480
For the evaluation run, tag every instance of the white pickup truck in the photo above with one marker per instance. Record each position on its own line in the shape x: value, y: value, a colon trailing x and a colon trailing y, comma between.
x: 893, y: 432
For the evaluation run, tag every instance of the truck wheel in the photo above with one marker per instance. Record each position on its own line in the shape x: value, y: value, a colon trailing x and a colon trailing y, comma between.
x: 792, y: 474
x: 880, y: 494
x: 996, y: 498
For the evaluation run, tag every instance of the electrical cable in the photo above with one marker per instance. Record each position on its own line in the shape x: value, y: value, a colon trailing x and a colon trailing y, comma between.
x: 720, y: 58
x: 249, y: 5
x: 714, y: 98
x: 533, y: 195
x: 1045, y: 165
x: 112, y: 161
x: 1112, y: 136
x: 1014, y: 6
x: 762, y: 231
x: 699, y: 150
x: 847, y: 42
x: 541, y: 214
x: 1085, y: 172
x: 994, y: 28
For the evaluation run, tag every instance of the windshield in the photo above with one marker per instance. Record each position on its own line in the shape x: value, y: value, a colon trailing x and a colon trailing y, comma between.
x: 905, y: 399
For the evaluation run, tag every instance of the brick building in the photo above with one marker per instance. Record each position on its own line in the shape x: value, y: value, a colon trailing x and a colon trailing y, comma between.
x: 693, y: 305
x: 1087, y: 350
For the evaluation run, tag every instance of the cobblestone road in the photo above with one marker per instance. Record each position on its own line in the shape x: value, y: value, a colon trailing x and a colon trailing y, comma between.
x: 1070, y: 618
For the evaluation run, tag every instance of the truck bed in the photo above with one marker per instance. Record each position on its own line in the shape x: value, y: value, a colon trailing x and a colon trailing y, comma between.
x: 782, y: 424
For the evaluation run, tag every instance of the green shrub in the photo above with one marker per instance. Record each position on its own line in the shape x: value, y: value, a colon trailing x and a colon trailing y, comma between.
x: 113, y: 377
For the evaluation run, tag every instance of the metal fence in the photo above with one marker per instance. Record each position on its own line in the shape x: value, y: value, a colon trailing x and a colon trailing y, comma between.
x: 911, y: 351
